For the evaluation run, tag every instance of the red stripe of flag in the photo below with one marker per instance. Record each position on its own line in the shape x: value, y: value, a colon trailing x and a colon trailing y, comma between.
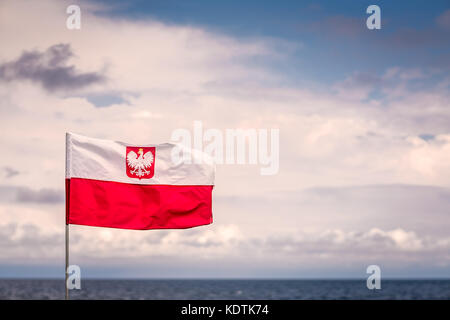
x: 137, y: 206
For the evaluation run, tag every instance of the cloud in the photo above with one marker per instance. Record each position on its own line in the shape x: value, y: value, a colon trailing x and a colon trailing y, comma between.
x: 29, y: 242
x: 346, y: 29
x: 357, y: 86
x: 28, y: 195
x: 50, y: 69
x: 374, y: 242
x: 10, y: 172
x: 225, y: 245
x: 443, y: 20
x: 390, y: 84
x: 106, y: 99
x: 340, y: 25
x: 407, y: 38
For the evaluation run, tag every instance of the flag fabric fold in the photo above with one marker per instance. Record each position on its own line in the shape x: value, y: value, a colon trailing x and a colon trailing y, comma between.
x: 119, y: 185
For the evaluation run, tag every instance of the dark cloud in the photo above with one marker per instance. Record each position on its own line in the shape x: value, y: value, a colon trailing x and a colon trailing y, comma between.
x: 27, y: 195
x: 413, y: 38
x: 10, y: 172
x: 106, y: 100
x: 338, y: 25
x: 49, y: 68
x: 365, y: 78
x: 443, y: 20
x: 347, y: 28
x: 40, y: 196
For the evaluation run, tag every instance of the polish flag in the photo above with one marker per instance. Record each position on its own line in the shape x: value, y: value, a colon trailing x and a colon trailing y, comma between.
x: 120, y: 185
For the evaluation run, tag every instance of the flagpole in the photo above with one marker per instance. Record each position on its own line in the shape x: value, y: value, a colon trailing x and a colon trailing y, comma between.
x: 67, y: 260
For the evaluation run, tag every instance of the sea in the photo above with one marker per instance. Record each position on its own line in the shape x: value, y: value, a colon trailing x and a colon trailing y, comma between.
x: 225, y: 289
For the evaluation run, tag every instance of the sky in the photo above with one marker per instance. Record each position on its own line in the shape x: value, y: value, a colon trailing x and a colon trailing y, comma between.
x: 364, y: 120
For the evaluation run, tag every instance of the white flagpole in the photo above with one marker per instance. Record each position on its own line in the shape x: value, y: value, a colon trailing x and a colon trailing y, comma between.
x: 67, y: 260
x: 66, y: 217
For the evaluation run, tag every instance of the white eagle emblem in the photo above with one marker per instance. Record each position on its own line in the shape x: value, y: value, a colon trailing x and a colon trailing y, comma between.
x: 140, y: 165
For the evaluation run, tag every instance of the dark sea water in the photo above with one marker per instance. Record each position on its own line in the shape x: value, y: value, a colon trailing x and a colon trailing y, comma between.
x: 226, y: 289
